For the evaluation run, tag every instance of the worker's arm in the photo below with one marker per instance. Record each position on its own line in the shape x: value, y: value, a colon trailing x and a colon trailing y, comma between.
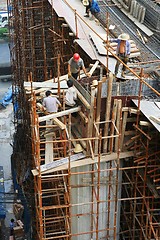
x: 44, y: 103
x: 69, y: 70
x: 85, y: 72
x: 128, y: 48
x: 58, y: 102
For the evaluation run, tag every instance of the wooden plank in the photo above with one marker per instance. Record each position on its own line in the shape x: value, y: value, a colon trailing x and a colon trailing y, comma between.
x: 83, y: 116
x: 107, y: 110
x: 48, y: 149
x: 83, y: 91
x: 45, y: 84
x: 134, y: 111
x: 88, y: 161
x: 145, y: 123
x: 83, y: 100
x: 58, y: 114
x: 59, y: 123
x: 98, y: 113
x: 124, y: 122
x: 55, y: 164
x: 48, y: 145
x: 93, y: 68
x: 91, y: 113
x: 77, y: 134
x: 119, y: 112
x: 114, y: 115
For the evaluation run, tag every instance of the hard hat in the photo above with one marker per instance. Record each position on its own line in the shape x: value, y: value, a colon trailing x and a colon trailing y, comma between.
x: 123, y: 36
x: 94, y: 83
x: 78, y: 148
x: 76, y: 57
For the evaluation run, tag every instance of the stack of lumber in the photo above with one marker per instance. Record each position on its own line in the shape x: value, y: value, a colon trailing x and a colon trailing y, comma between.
x: 19, y: 229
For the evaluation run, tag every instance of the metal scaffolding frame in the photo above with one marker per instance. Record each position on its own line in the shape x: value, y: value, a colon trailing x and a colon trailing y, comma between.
x: 120, y: 154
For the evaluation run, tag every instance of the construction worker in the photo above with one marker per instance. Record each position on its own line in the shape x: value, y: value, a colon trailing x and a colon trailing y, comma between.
x: 51, y: 103
x: 74, y: 66
x: 91, y: 7
x: 11, y: 226
x: 71, y: 94
x: 123, y: 51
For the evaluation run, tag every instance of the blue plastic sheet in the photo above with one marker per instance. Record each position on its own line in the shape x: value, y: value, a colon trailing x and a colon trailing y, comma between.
x: 7, y: 99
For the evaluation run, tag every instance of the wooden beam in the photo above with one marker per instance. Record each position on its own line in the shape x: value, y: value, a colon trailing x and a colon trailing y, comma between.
x: 45, y: 84
x: 107, y: 110
x: 124, y: 122
x: 59, y: 123
x: 59, y: 114
x: 51, y: 165
x: 83, y: 100
x: 88, y: 161
x: 145, y: 123
x: 93, y: 68
x: 112, y: 130
x: 49, y: 146
x: 118, y: 121
x: 83, y: 116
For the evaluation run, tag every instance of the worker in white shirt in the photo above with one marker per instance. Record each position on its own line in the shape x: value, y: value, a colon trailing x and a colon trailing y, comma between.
x: 71, y: 94
x: 51, y: 103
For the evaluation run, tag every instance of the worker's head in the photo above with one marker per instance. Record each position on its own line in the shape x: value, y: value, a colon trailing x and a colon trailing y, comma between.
x: 69, y: 83
x: 76, y: 57
x: 12, y: 220
x: 48, y: 93
x: 123, y: 37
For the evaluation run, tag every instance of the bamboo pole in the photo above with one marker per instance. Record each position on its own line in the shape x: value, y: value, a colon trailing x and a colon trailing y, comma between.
x: 108, y: 107
x: 58, y: 63
x: 98, y: 112
x: 114, y: 115
x: 98, y: 187
x: 91, y: 113
x: 124, y: 122
x: 119, y: 109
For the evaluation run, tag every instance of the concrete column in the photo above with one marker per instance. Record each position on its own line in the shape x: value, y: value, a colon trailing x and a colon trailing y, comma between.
x: 139, y: 13
x: 143, y: 15
x: 132, y: 7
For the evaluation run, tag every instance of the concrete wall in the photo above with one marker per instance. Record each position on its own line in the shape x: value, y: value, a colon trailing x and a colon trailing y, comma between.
x: 82, y: 198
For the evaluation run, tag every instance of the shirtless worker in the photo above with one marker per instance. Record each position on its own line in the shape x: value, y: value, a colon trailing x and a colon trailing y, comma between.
x: 74, y: 66
x: 123, y: 51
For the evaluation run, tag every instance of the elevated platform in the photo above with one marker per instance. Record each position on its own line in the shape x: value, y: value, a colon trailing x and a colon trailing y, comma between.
x: 84, y: 29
